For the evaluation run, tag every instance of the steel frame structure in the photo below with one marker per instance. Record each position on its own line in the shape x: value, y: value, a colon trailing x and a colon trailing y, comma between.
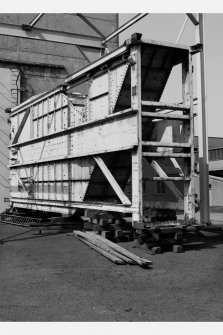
x: 114, y: 131
x: 98, y: 43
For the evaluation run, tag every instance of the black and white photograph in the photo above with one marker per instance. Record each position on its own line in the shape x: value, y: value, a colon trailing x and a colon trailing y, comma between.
x: 111, y: 168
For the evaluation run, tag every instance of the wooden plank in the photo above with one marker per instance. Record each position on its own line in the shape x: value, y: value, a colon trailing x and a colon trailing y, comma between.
x: 166, y: 154
x: 170, y: 184
x: 139, y: 260
x: 165, y: 116
x: 166, y: 144
x: 111, y: 257
x: 161, y: 105
x: 124, y: 199
x: 103, y: 246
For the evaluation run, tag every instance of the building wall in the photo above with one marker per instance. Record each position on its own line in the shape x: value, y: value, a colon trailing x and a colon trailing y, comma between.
x: 215, y: 190
x: 44, y: 64
x: 5, y: 102
x: 37, y: 66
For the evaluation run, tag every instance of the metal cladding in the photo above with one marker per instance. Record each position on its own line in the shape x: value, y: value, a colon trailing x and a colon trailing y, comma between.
x: 95, y: 149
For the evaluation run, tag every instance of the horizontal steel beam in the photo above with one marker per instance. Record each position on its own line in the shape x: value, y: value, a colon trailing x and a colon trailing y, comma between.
x: 167, y: 179
x: 165, y: 44
x: 66, y: 158
x: 39, y: 34
x: 165, y: 116
x: 166, y: 154
x: 9, y: 61
x: 161, y: 105
x: 75, y: 204
x: 39, y: 97
x: 95, y: 64
x: 166, y: 144
x: 87, y: 124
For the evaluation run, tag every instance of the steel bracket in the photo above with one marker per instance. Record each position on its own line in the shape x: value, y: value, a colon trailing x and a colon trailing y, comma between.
x: 196, y: 48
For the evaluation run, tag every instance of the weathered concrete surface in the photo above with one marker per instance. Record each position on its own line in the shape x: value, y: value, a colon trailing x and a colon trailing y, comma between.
x: 25, y: 53
x: 57, y: 278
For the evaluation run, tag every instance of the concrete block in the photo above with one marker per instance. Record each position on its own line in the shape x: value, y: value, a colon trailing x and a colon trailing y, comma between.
x: 156, y: 250
x: 136, y: 244
x: 177, y: 248
x: 156, y: 237
x: 103, y: 222
x: 96, y: 228
x: 141, y: 239
x: 144, y: 246
x: 106, y: 234
x: 118, y: 233
x: 178, y: 236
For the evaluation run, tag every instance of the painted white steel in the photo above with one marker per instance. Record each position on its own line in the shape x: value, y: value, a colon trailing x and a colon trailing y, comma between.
x: 124, y: 199
x: 95, y: 64
x: 202, y: 126
x: 116, y: 77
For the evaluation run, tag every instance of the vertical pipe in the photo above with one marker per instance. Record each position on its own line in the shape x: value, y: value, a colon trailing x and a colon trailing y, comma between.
x: 202, y: 127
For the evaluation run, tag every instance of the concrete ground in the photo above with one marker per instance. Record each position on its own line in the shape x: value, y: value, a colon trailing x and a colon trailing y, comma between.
x: 58, y: 278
